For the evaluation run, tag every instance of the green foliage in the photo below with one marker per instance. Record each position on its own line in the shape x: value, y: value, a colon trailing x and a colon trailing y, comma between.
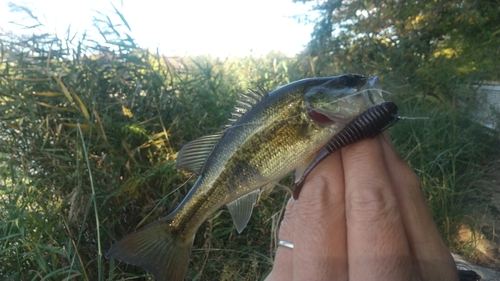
x: 434, y: 46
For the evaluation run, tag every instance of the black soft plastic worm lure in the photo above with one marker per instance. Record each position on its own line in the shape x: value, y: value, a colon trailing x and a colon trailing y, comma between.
x: 367, y: 125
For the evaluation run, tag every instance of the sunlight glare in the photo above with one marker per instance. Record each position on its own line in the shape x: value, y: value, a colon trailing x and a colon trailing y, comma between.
x: 219, y: 27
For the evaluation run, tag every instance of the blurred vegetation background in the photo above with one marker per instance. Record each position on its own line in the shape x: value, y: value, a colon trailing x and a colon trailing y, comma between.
x: 89, y: 131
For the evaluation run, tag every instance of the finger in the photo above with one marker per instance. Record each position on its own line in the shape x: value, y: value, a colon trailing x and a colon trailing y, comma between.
x: 320, y: 251
x: 377, y: 245
x: 283, y: 261
x: 431, y: 254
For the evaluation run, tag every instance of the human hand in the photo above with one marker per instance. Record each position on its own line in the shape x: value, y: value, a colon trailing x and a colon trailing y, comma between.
x: 362, y: 216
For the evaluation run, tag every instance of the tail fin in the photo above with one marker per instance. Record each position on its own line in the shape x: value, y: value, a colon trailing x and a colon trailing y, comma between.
x: 156, y: 249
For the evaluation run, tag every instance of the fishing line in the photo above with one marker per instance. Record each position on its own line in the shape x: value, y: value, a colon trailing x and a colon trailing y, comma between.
x: 377, y: 90
x: 164, y: 197
x: 412, y: 118
x: 361, y: 92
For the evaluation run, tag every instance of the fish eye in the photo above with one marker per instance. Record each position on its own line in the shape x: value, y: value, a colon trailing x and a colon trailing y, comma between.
x: 348, y: 80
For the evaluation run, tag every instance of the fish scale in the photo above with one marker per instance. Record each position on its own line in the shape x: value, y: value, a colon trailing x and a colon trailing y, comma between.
x: 269, y: 136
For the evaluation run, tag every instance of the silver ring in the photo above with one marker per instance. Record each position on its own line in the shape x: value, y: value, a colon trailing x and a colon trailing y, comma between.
x: 285, y: 244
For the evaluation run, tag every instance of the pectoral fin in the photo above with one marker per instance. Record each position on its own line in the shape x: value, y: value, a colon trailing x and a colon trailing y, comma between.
x: 241, y: 209
x: 300, y: 169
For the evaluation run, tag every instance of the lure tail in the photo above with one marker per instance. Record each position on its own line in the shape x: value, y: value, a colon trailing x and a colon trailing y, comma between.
x: 157, y: 249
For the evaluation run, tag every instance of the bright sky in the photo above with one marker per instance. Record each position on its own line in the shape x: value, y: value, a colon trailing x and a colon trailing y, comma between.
x: 218, y: 27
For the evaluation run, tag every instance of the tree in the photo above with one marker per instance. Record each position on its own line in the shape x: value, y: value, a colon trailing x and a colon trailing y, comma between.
x: 432, y: 45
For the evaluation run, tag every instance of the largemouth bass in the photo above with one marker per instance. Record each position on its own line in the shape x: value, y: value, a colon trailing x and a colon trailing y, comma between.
x: 269, y: 136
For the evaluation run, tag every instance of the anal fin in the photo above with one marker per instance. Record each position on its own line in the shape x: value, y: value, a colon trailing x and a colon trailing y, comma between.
x: 241, y: 209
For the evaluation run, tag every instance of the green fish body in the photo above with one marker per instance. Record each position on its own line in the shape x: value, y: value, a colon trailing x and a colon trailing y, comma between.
x: 270, y: 135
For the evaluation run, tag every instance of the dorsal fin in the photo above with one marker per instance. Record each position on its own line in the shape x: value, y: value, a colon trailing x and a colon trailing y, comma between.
x: 193, y: 155
x: 245, y: 103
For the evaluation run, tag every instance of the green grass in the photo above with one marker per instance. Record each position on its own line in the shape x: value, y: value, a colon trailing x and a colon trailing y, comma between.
x: 449, y: 152
x: 88, y: 140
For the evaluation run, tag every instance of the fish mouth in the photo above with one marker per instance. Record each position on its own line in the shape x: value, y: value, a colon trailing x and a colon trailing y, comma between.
x: 318, y: 117
x: 347, y: 110
x: 355, y: 95
x: 325, y: 118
